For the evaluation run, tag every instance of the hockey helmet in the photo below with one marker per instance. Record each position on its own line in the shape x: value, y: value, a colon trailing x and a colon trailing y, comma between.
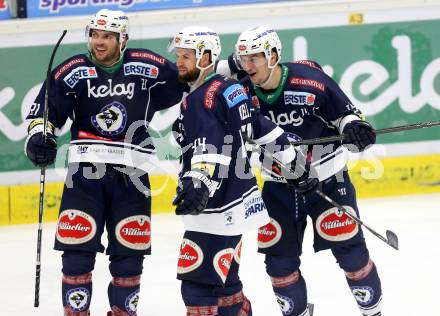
x: 260, y: 39
x: 109, y: 20
x: 200, y: 39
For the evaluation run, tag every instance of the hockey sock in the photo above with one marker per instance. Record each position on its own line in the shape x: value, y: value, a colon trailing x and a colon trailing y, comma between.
x: 291, y: 294
x: 366, y: 289
x: 123, y: 295
x: 77, y: 294
x: 234, y: 305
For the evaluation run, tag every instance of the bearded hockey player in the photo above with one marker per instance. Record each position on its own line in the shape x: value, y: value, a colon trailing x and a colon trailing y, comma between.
x: 218, y: 195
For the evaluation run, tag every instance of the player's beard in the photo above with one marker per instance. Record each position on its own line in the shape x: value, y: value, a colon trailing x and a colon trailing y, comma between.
x: 190, y: 75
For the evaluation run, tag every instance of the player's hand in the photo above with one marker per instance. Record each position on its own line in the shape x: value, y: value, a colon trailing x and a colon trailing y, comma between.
x: 41, y: 153
x: 304, y: 177
x: 192, y: 197
x: 360, y: 134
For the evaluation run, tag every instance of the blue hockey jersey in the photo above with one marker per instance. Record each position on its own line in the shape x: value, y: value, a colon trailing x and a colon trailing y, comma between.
x: 308, y: 104
x: 212, y: 120
x: 110, y: 109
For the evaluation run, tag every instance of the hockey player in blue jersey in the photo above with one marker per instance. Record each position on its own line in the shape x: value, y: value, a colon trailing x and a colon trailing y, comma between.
x: 110, y: 94
x: 306, y: 103
x: 218, y: 195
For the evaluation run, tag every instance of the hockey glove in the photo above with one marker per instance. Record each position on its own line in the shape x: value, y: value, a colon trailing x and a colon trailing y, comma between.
x: 41, y: 153
x: 304, y: 178
x: 192, y: 196
x: 360, y: 134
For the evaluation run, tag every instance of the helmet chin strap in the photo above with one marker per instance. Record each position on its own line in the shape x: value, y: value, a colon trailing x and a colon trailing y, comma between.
x: 261, y: 85
x: 196, y: 83
x: 265, y: 82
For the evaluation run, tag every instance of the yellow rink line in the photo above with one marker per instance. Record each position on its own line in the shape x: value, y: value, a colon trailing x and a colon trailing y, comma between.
x: 385, y: 177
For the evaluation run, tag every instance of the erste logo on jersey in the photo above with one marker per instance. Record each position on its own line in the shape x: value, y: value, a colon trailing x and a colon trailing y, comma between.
x: 235, y: 94
x: 75, y: 227
x: 134, y: 232
x: 190, y: 256
x: 82, y: 72
x: 299, y: 98
x: 222, y: 262
x: 335, y: 225
x: 141, y: 69
x: 111, y: 120
x: 269, y: 234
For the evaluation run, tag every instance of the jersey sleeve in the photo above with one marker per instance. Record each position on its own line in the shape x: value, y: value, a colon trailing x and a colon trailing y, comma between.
x: 61, y: 101
x: 338, y: 109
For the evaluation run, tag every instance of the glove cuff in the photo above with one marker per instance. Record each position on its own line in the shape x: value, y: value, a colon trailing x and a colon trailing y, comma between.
x: 211, y: 185
x: 35, y: 127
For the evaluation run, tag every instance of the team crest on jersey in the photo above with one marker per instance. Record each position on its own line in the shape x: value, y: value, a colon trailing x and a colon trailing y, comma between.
x: 222, y: 262
x: 286, y: 304
x: 235, y: 94
x: 299, y: 98
x: 131, y: 302
x: 134, y: 232
x: 292, y: 137
x: 111, y: 120
x: 82, y: 72
x: 269, y: 234
x: 141, y: 69
x: 237, y: 251
x: 335, y: 225
x: 208, y: 100
x: 190, y: 256
x: 75, y: 227
x: 78, y: 298
x: 363, y: 294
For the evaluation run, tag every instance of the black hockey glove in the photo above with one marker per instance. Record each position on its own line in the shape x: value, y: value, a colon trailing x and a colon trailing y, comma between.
x: 192, y: 196
x: 304, y: 178
x: 41, y: 153
x: 360, y: 134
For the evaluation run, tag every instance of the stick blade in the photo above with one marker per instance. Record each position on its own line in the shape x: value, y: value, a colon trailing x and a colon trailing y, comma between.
x: 393, y: 240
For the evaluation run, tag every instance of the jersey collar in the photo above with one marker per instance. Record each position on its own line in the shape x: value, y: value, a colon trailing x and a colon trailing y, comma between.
x: 272, y: 97
x: 110, y: 69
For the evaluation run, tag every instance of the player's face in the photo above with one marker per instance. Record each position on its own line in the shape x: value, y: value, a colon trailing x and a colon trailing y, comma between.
x: 105, y: 47
x: 186, y: 64
x: 256, y: 67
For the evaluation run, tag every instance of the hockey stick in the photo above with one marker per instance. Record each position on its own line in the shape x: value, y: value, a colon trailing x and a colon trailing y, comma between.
x: 43, y: 175
x: 330, y: 139
x: 391, y: 238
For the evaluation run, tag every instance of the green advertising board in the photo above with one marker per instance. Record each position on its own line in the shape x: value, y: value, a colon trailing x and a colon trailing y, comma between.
x: 389, y: 70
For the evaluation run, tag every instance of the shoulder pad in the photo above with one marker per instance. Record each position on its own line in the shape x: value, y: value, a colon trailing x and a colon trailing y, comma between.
x: 234, y: 94
x: 310, y: 63
x: 69, y: 64
x: 145, y: 54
